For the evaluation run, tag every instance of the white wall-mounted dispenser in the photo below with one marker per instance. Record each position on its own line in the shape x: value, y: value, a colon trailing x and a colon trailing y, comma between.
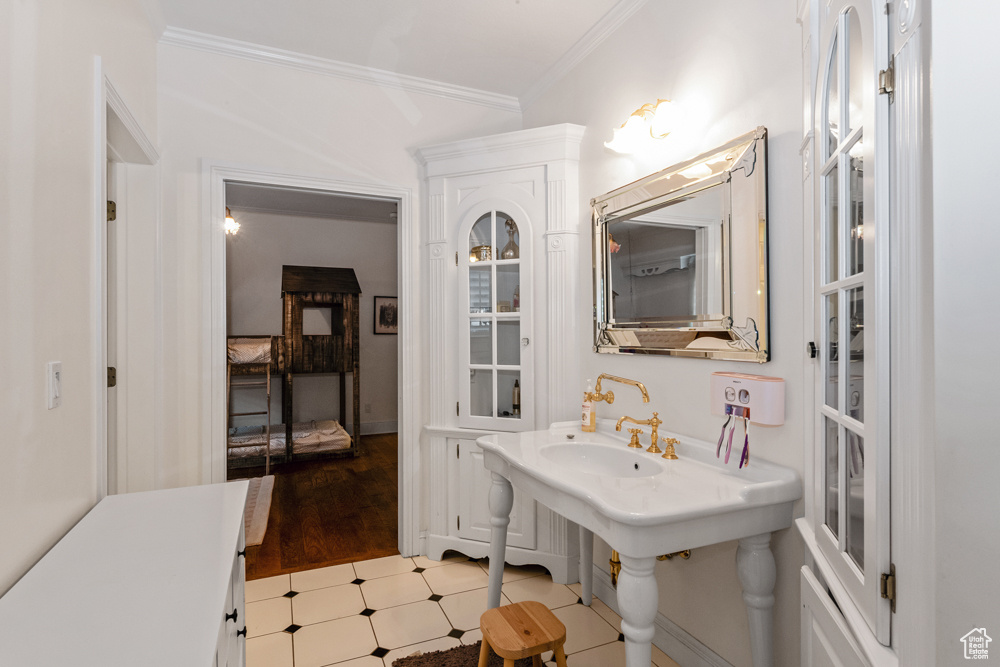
x: 761, y: 395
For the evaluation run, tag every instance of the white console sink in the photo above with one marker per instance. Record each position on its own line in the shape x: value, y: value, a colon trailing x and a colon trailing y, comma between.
x: 643, y: 506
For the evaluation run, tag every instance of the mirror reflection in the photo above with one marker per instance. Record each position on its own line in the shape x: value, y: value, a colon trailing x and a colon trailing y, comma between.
x: 680, y: 258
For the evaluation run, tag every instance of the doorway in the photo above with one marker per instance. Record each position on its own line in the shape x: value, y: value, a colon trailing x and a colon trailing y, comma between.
x: 403, y: 449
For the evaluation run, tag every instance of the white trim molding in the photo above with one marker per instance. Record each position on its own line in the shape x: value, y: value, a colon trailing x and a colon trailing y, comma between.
x: 600, y: 31
x: 235, y: 48
x: 213, y: 427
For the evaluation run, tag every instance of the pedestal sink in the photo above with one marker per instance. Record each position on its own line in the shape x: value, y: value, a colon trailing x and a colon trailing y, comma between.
x: 643, y: 505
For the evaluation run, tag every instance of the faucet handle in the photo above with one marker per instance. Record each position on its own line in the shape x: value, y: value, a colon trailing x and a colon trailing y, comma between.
x: 669, y: 453
x: 634, y: 442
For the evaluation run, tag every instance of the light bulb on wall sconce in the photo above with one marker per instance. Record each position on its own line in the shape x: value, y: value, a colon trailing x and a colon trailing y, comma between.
x: 648, y: 122
x: 231, y: 225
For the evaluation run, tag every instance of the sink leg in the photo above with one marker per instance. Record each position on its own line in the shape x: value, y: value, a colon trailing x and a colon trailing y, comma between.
x: 501, y: 502
x: 755, y: 566
x: 586, y: 565
x: 638, y: 600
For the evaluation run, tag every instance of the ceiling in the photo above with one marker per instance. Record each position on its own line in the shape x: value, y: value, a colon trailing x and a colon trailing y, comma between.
x: 506, y: 47
x: 310, y: 203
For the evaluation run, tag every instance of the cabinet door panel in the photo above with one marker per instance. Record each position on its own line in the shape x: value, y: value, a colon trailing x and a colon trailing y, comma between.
x: 471, y: 510
x: 826, y: 639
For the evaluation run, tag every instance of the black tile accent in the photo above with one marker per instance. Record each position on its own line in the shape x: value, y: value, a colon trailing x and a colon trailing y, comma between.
x: 292, y: 629
x: 380, y: 652
x: 435, y: 597
x: 621, y: 637
x: 457, y: 634
x: 358, y: 581
x: 290, y: 594
x: 579, y: 600
x: 368, y: 612
x: 418, y: 570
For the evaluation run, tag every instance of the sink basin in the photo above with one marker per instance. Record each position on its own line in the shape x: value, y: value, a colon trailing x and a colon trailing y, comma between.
x: 600, y: 460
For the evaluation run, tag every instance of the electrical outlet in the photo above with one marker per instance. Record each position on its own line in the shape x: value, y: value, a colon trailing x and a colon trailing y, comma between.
x: 54, y: 383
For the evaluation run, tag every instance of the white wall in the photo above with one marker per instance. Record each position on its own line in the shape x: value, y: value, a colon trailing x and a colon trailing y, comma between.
x: 733, y: 66
x: 218, y: 108
x: 254, y: 258
x: 48, y: 182
x: 966, y: 238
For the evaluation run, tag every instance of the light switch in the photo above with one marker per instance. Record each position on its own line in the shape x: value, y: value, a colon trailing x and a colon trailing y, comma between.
x: 54, y: 384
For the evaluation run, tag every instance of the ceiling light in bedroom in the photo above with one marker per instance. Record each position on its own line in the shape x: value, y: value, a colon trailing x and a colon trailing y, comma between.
x: 231, y: 225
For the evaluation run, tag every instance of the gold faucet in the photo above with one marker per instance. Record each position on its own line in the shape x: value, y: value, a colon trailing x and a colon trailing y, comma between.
x: 654, y: 422
x: 609, y: 397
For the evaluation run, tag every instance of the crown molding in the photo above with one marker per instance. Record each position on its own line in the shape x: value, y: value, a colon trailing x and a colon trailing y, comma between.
x: 273, y: 56
x: 600, y: 31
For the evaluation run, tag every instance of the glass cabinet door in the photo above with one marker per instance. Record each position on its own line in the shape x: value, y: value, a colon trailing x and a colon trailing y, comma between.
x: 851, y: 433
x: 494, y: 302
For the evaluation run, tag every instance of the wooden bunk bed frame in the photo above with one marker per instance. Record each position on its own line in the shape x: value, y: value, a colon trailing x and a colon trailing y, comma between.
x: 322, y: 287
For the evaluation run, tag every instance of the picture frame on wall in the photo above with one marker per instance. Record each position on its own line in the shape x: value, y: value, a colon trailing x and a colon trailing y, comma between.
x: 386, y: 315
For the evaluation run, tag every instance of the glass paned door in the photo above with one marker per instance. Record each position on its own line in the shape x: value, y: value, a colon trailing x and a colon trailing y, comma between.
x: 495, y: 386
x: 852, y: 440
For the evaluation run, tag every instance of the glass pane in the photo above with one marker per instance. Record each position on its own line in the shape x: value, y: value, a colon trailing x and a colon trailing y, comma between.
x: 832, y: 105
x: 832, y: 475
x: 481, y: 393
x: 480, y: 240
x: 507, y: 237
x: 856, y: 498
x: 508, y: 288
x: 830, y: 365
x: 856, y: 73
x: 480, y: 283
x: 509, y: 394
x: 509, y: 342
x: 856, y: 185
x: 856, y: 390
x: 481, y: 342
x: 831, y: 198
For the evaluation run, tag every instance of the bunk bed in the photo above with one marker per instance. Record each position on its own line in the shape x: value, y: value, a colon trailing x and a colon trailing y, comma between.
x: 292, y: 354
x: 338, y: 352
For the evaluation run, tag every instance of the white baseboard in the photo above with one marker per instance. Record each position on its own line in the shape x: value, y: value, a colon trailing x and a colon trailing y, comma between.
x: 670, y: 637
x: 371, y: 428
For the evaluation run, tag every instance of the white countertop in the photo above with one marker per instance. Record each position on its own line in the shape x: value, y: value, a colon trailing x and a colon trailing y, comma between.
x: 140, y: 580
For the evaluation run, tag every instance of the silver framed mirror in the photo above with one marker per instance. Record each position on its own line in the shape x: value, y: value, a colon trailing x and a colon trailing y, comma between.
x: 680, y: 258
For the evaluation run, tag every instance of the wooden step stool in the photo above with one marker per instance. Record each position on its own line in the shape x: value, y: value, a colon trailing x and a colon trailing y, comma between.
x: 521, y: 630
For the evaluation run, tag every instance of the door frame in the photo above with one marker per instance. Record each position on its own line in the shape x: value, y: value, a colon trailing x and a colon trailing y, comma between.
x: 215, y: 174
x: 118, y: 137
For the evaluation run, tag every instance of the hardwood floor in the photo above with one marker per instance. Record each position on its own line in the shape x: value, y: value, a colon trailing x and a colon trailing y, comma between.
x: 328, y: 512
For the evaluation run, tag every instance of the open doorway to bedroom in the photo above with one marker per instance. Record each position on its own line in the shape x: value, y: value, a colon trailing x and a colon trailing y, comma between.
x: 311, y: 371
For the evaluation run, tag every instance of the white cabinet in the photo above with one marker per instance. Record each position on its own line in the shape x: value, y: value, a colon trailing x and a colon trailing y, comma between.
x: 503, y: 232
x: 826, y: 639
x: 153, y: 579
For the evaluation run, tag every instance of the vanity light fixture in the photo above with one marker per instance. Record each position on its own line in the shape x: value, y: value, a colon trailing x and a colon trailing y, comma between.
x: 648, y: 122
x: 231, y: 225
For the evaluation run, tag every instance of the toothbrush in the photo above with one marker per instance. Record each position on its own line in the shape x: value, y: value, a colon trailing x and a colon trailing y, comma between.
x: 729, y: 446
x: 722, y: 436
x: 745, y: 458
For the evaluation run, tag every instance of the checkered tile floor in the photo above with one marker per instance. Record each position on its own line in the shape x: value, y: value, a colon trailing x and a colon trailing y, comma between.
x: 370, y: 613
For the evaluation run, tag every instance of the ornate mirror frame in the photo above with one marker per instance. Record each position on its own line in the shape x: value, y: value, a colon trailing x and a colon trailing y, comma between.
x: 740, y: 331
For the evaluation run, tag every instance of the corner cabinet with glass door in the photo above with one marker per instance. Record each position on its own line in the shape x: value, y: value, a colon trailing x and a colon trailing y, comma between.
x: 496, y: 392
x: 502, y: 234
x: 846, y: 527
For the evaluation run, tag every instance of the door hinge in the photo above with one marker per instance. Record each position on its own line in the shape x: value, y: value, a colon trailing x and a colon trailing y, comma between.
x: 887, y: 79
x: 457, y: 413
x: 112, y: 376
x: 456, y: 259
x: 812, y: 350
x: 457, y: 455
x: 888, y: 587
x: 459, y: 523
x: 112, y: 210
